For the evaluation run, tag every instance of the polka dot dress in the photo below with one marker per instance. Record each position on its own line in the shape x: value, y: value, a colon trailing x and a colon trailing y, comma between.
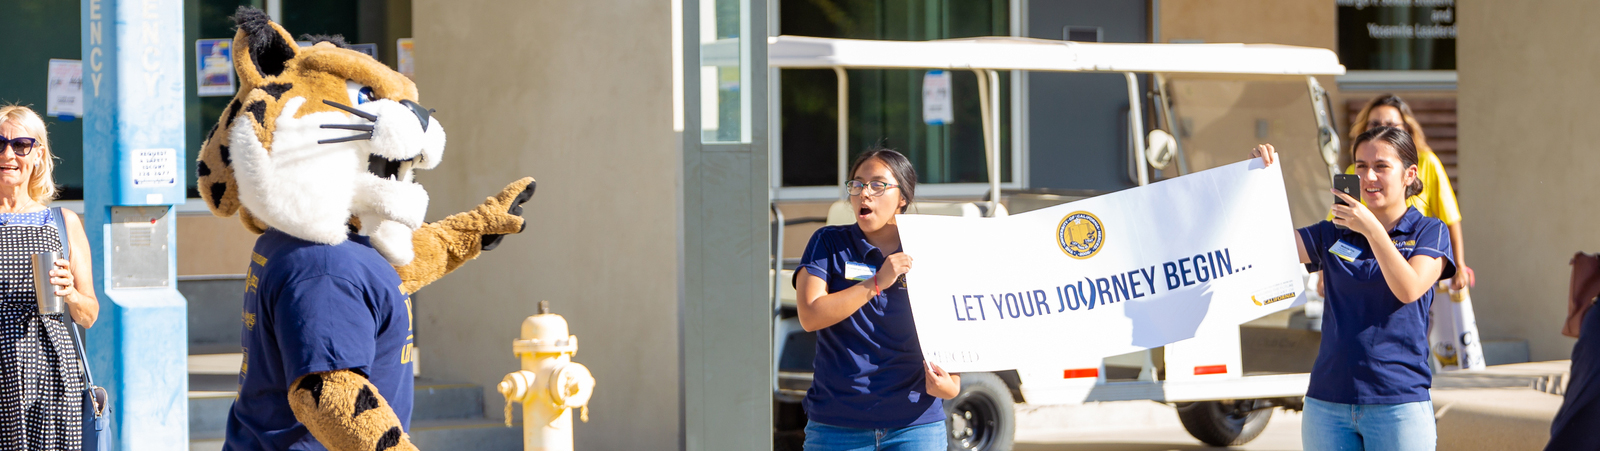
x: 41, y: 385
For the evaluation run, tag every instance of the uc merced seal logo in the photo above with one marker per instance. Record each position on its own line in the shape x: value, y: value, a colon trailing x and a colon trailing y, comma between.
x: 1080, y: 234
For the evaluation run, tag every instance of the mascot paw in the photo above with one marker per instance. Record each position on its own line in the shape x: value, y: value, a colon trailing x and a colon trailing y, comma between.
x: 393, y: 242
x: 345, y: 412
x: 402, y: 202
x: 509, y: 202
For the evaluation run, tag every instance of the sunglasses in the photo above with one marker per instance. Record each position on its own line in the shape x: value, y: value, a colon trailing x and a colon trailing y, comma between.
x: 19, y: 146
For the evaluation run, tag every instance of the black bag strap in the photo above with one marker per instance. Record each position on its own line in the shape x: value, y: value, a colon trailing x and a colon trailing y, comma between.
x: 66, y: 253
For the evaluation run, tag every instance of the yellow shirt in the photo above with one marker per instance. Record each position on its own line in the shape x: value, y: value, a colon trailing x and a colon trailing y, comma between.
x: 1437, y: 199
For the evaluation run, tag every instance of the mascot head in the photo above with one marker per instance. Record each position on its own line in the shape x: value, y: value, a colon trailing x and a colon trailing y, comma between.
x: 317, y: 140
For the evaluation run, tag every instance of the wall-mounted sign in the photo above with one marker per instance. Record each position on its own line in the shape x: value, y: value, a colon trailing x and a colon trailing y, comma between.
x: 1397, y: 34
x: 213, y: 59
x: 64, y: 89
x: 154, y: 167
x: 936, y: 107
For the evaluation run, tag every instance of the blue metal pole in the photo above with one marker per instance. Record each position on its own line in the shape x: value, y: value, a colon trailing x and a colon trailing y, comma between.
x: 134, y: 157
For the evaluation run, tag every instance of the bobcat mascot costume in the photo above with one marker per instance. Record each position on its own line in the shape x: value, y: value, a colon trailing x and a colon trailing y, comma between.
x: 316, y: 154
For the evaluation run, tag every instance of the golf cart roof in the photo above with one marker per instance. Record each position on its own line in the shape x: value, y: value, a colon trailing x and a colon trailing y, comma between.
x: 1010, y: 53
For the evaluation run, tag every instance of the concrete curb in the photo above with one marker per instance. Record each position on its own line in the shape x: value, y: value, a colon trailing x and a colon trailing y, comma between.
x: 1549, y: 377
x: 1503, y: 407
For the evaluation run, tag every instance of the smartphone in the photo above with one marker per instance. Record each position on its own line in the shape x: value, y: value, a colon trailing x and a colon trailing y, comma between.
x: 1348, y: 184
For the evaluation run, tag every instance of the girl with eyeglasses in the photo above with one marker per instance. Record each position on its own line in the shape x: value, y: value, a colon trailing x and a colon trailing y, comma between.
x: 872, y: 388
x: 41, y: 383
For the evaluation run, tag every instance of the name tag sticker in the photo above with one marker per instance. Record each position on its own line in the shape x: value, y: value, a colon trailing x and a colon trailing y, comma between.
x: 1345, y: 251
x: 858, y: 271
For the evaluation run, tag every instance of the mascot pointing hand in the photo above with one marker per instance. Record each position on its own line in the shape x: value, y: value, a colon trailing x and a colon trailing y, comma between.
x: 316, y: 154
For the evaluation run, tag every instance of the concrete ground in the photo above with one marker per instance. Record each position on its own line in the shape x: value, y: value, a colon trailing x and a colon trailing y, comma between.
x: 1494, y: 418
x: 1503, y: 408
x: 1162, y: 433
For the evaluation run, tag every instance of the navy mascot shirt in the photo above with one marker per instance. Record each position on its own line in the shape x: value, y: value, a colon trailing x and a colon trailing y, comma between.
x: 869, y: 371
x: 311, y: 308
x: 1374, y: 347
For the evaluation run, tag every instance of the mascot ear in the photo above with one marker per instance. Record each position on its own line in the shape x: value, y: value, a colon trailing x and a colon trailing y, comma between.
x: 262, y: 48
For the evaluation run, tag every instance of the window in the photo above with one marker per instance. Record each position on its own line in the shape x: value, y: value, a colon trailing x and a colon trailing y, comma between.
x: 1388, y: 35
x: 886, y: 105
x: 35, y: 30
x: 724, y: 72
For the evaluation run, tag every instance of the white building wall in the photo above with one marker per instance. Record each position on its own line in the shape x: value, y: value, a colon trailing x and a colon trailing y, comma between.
x: 1528, y: 164
x: 579, y: 96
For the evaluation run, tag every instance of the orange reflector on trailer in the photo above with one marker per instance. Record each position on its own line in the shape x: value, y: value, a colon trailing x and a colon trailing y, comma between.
x: 1080, y: 372
x: 1211, y: 369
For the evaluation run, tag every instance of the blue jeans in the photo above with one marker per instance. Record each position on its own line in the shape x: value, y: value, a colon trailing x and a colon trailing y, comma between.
x: 1332, y: 426
x: 922, y: 437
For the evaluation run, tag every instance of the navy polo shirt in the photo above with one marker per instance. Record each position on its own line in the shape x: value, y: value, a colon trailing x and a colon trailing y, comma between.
x: 312, y: 308
x: 1374, y: 347
x: 869, y: 366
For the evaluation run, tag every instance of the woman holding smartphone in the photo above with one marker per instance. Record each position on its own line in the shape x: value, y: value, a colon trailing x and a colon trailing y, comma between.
x: 872, y: 388
x: 1369, y: 385
x: 1437, y: 199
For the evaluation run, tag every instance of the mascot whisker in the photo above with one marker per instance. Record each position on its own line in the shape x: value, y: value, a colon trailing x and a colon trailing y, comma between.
x: 317, y: 153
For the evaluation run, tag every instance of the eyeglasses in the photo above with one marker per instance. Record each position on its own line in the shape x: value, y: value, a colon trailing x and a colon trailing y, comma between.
x: 855, y: 187
x: 19, y: 146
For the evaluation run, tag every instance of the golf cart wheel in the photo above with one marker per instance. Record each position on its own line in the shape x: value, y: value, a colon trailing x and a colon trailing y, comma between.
x: 1225, y: 423
x: 981, y: 417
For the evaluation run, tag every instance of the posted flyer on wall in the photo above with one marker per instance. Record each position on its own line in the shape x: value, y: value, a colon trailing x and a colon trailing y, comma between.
x: 1104, y: 276
x: 64, y: 89
x: 214, y: 67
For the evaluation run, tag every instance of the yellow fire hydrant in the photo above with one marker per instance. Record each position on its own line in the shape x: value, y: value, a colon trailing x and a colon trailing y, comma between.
x: 549, y: 385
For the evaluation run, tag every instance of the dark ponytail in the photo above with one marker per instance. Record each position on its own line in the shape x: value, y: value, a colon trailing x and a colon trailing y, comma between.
x: 1402, y: 144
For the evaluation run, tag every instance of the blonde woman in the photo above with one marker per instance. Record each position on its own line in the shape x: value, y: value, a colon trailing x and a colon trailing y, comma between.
x: 41, y: 382
x: 1438, y: 199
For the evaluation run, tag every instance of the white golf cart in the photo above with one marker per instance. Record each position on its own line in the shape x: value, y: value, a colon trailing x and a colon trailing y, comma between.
x: 1224, y: 386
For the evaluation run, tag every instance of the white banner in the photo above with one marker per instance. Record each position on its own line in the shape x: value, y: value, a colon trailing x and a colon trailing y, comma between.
x: 1109, y: 275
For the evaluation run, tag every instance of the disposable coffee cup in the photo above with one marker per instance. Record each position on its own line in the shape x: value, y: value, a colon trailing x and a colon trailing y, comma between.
x: 43, y: 290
